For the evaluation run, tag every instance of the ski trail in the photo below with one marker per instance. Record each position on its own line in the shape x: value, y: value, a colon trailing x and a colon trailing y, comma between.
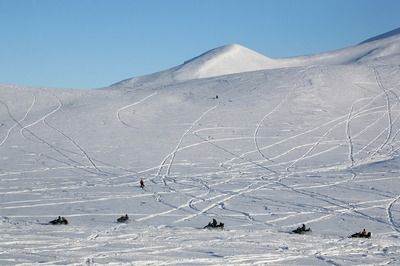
x: 130, y: 105
x: 20, y: 121
x: 180, y: 141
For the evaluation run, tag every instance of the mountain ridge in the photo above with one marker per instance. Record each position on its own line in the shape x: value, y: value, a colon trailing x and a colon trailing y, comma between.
x: 235, y: 58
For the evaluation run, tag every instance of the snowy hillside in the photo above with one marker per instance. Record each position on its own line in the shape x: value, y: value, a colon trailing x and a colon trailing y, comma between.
x: 312, y: 140
x: 231, y: 59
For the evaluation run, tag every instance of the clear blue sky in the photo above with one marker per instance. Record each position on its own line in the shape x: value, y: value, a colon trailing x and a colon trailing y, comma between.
x: 94, y: 43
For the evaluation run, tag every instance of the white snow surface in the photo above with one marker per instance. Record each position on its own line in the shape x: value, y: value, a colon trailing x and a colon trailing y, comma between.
x: 311, y: 140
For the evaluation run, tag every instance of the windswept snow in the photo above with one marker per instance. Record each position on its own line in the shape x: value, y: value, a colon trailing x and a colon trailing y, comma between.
x: 314, y: 142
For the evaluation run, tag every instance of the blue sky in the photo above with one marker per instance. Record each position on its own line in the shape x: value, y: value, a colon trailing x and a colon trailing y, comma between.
x: 94, y: 43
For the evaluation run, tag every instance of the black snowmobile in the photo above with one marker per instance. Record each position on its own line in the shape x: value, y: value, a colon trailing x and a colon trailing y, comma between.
x: 301, y: 230
x: 361, y: 235
x: 214, y: 225
x: 123, y: 219
x: 59, y: 220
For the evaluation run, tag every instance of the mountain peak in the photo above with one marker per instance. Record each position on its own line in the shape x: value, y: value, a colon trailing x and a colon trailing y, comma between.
x: 227, y: 59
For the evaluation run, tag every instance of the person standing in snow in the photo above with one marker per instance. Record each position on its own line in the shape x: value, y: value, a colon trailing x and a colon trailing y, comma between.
x: 141, y: 183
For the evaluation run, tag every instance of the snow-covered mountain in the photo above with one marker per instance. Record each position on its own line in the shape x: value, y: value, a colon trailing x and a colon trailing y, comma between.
x: 311, y: 139
x: 231, y: 59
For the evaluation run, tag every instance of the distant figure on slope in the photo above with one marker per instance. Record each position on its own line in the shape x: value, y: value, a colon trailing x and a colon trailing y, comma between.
x: 216, y: 96
x: 141, y: 183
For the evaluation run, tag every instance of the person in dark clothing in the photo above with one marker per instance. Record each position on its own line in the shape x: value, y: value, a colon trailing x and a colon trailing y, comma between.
x: 141, y: 183
x: 214, y: 223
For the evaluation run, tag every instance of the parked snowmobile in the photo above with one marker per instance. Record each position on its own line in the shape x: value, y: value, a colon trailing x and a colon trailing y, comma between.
x: 301, y: 229
x: 214, y: 225
x: 123, y: 219
x: 362, y: 234
x: 59, y: 220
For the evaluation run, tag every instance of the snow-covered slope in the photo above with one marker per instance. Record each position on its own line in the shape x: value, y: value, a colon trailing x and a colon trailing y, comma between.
x: 313, y: 144
x: 223, y: 60
x: 235, y: 58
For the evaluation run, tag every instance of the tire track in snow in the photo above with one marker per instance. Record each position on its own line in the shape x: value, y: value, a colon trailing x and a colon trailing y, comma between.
x: 41, y: 140
x: 348, y: 134
x: 345, y: 206
x: 335, y: 120
x: 262, y: 121
x: 236, y: 193
x: 360, y: 114
x: 389, y: 114
x: 19, y: 121
x: 162, y: 164
x: 236, y: 155
x: 23, y: 128
x: 243, y: 165
x: 86, y: 155
x: 130, y: 105
x: 330, y: 130
x: 273, y: 110
x: 390, y: 216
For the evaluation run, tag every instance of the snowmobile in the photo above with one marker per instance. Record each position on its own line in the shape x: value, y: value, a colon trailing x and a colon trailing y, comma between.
x: 301, y: 230
x: 214, y: 225
x: 59, y: 220
x: 123, y: 219
x: 361, y: 235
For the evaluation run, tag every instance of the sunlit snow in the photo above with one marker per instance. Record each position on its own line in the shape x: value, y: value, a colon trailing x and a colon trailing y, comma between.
x: 262, y: 145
